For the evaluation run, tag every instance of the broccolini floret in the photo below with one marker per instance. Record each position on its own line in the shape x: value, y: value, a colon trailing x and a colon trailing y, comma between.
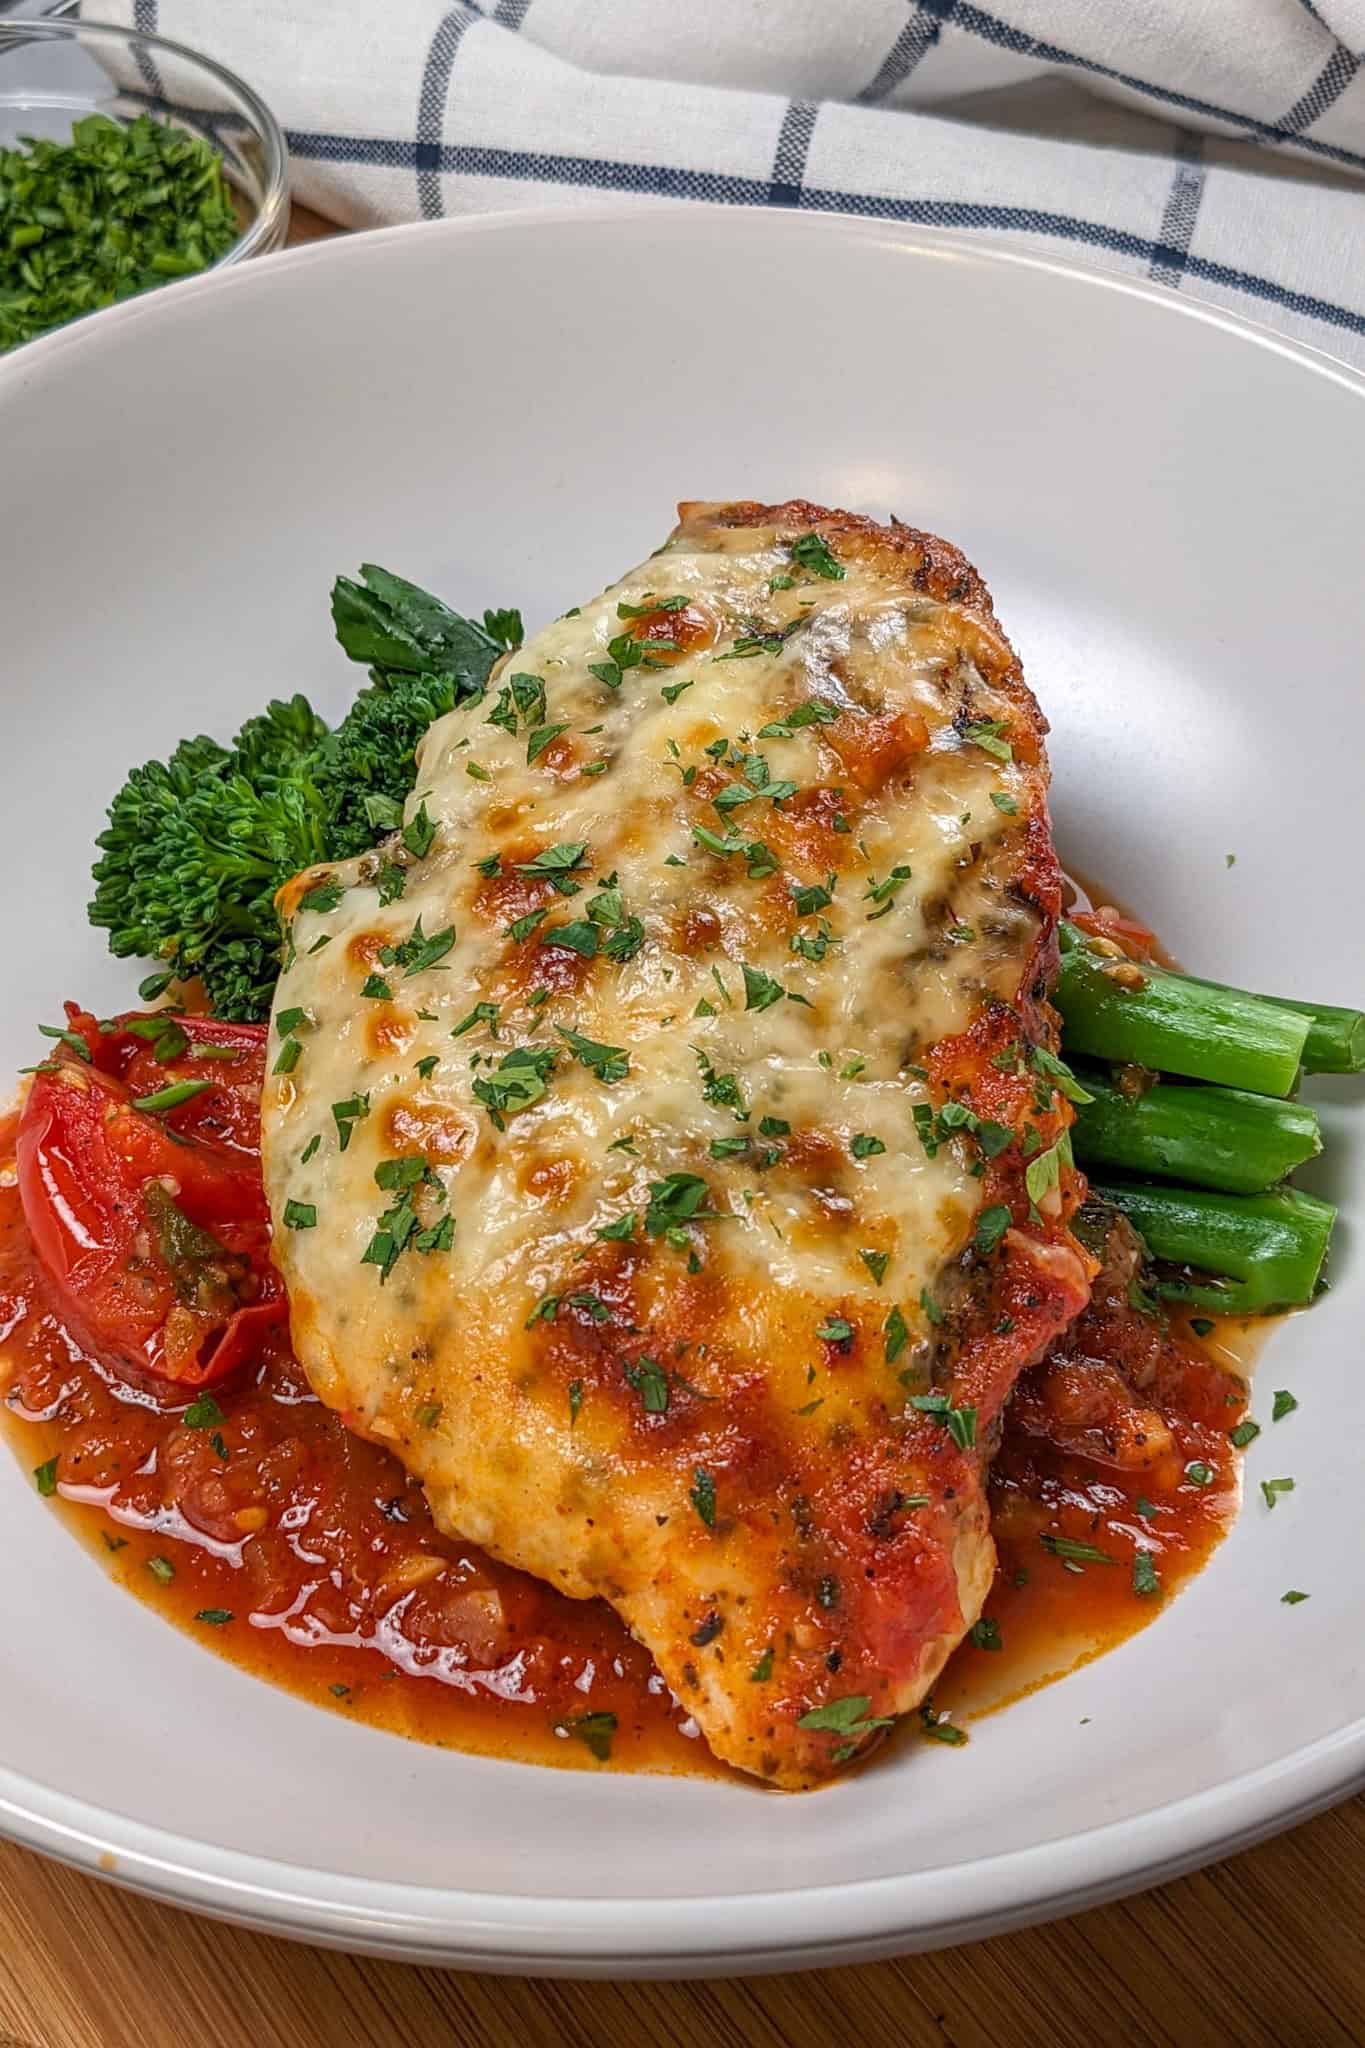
x: 197, y: 846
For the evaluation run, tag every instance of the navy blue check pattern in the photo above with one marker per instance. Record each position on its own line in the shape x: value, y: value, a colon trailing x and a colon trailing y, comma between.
x: 1154, y: 137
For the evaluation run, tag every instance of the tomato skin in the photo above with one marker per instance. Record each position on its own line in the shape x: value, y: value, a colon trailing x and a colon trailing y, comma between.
x: 85, y: 1159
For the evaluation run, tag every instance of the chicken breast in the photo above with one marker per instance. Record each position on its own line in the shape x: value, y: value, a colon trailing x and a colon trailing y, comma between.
x: 671, y: 1165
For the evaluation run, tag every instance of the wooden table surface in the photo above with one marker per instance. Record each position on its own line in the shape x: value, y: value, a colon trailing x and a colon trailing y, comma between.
x: 1264, y: 1949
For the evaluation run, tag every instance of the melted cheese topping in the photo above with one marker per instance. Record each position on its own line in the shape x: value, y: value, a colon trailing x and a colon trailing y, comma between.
x: 779, y: 816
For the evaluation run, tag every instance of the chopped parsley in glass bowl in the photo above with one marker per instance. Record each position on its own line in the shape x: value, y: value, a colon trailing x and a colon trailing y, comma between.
x: 126, y: 161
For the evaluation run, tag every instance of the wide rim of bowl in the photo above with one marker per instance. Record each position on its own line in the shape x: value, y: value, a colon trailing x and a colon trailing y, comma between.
x: 715, y: 1932
x: 270, y: 222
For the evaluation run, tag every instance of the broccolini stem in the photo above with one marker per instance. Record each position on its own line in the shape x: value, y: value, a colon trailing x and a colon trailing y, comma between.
x: 1171, y: 1022
x: 1268, y: 1250
x: 1213, y: 1137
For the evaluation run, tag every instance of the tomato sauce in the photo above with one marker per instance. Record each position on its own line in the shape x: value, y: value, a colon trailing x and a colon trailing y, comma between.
x: 307, y: 1556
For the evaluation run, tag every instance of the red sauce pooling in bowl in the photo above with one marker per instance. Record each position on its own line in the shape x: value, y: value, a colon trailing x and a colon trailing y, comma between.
x: 307, y: 1556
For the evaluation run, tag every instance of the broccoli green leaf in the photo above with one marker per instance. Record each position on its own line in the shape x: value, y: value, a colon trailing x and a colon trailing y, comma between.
x: 392, y: 624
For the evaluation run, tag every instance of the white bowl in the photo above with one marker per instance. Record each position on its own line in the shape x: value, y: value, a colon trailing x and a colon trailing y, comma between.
x: 1166, y: 505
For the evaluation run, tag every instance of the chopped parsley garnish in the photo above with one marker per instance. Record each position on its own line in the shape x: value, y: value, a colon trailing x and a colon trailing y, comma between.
x: 960, y: 1423
x: 556, y: 863
x: 814, y: 711
x: 1198, y: 1473
x: 400, y: 1226
x: 1202, y: 1326
x: 758, y: 782
x: 621, y: 1231
x: 45, y: 1478
x: 575, y: 1400
x: 986, y: 733
x: 650, y: 1382
x: 863, y: 1145
x: 1146, y: 1579
x: 1072, y: 1552
x: 522, y: 927
x: 1244, y: 1434
x: 674, y: 1201
x: 592, y: 1305
x: 519, y: 1080
x: 721, y: 1089
x: 161, y: 1568
x: 214, y: 1616
x: 761, y: 858
x: 763, y: 1670
x: 1292, y: 1598
x: 702, y: 1495
x: 418, y: 950
x: 835, y: 1330
x: 608, y: 1062
x: 885, y: 893
x: 390, y: 881
x: 595, y: 1731
x: 848, y: 1717
x: 427, y: 1067
x: 985, y: 1634
x: 876, y: 1263
x: 727, y: 1148
x: 419, y: 832
x: 896, y: 1332
x: 813, y: 946
x: 814, y: 896
x: 172, y: 1097
x: 650, y: 606
x: 202, y: 1413
x: 1145, y: 1508
x: 760, y: 990
x: 1044, y: 1171
x: 322, y: 896
x: 933, y: 1313
x: 1060, y: 1073
x: 289, y: 1021
x: 300, y: 1215
x: 1285, y: 1404
x: 376, y: 988
x: 482, y: 1013
x: 811, y: 554
x: 289, y: 1056
x: 349, y: 1113
x: 991, y: 1226
x: 540, y: 739
x: 1004, y: 802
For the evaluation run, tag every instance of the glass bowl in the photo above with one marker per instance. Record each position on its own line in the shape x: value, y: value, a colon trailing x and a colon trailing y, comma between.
x: 52, y: 72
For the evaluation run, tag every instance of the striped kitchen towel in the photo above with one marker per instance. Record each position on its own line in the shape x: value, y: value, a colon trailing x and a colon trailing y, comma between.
x: 1215, y: 145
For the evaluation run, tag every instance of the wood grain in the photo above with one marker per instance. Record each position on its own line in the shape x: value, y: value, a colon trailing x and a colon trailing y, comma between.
x: 1255, y: 1953
x: 1260, y: 1952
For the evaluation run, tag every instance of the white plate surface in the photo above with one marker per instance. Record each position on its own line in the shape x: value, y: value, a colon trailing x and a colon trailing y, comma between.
x: 1166, y: 505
